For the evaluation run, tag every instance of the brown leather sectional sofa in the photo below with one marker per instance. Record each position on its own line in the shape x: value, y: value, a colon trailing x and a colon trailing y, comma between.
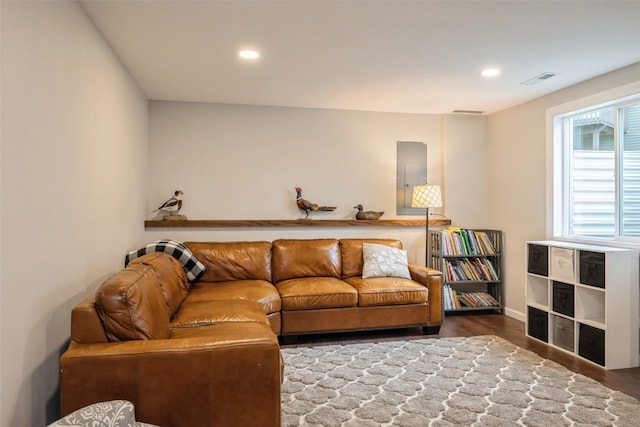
x: 207, y: 353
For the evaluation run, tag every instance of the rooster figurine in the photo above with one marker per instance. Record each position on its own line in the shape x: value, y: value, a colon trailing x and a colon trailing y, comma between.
x: 368, y: 215
x: 306, y: 206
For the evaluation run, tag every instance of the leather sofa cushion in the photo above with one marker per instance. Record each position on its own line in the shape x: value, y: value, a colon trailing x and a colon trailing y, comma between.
x: 388, y: 291
x: 226, y: 261
x: 258, y: 291
x: 316, y: 292
x: 226, y: 335
x: 202, y: 313
x: 305, y: 258
x: 131, y: 305
x: 171, y: 278
x: 351, y: 252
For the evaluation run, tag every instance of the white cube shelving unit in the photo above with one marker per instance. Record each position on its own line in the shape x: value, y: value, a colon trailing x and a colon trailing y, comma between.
x: 584, y: 299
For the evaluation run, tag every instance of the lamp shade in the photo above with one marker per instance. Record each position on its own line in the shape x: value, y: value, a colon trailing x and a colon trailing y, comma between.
x: 426, y: 196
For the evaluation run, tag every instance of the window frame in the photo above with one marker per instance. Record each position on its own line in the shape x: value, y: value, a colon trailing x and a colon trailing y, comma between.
x: 558, y: 163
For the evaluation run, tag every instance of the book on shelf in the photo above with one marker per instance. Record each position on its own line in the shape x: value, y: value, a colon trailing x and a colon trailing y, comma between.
x: 473, y: 269
x: 485, y: 243
x: 465, y: 241
x: 477, y: 299
x: 465, y: 300
x: 454, y: 300
x: 460, y: 241
x: 451, y: 301
x: 446, y: 297
x: 446, y: 243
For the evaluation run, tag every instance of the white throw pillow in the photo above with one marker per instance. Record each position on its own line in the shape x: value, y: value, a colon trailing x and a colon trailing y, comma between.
x: 384, y: 261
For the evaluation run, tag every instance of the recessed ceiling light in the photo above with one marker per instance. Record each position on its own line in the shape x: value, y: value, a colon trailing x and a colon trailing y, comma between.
x: 249, y: 54
x: 490, y: 72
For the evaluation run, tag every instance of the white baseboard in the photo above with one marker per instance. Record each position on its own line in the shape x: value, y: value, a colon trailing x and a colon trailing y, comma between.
x: 515, y: 314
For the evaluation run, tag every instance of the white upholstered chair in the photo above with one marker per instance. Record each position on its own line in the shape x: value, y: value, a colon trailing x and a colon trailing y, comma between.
x: 114, y: 413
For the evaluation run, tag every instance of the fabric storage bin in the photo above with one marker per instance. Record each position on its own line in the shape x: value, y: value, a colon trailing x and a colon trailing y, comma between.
x: 563, y: 332
x: 591, y: 344
x: 538, y: 260
x: 538, y: 324
x: 562, y: 264
x: 592, y: 271
x: 563, y: 298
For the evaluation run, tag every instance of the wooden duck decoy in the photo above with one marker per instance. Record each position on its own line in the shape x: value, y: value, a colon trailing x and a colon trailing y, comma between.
x: 367, y: 215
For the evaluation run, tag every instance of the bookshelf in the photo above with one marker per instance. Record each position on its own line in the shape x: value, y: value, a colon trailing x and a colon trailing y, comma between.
x: 470, y: 261
x: 583, y: 299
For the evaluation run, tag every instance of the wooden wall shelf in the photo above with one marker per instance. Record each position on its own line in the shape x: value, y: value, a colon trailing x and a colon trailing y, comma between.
x: 293, y: 223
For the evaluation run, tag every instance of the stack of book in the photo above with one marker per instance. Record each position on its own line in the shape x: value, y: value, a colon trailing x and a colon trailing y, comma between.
x: 454, y: 300
x: 470, y: 269
x: 460, y: 241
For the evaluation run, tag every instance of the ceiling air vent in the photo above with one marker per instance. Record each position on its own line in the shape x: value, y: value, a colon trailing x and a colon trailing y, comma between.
x: 467, y: 112
x: 538, y: 79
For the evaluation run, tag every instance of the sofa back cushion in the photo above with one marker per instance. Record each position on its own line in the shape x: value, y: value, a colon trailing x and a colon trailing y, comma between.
x: 293, y: 258
x: 131, y: 305
x: 172, y: 278
x: 227, y: 261
x: 351, y: 251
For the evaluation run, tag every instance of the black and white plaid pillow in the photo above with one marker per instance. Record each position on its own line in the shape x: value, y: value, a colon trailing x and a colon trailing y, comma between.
x: 192, y: 267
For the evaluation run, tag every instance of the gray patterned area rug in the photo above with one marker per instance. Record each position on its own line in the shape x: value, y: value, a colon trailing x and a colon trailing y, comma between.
x: 477, y: 381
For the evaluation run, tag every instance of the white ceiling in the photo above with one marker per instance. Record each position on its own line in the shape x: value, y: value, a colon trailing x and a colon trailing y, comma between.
x: 393, y: 56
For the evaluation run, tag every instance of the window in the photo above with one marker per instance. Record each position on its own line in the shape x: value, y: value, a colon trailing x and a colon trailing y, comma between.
x: 596, y: 171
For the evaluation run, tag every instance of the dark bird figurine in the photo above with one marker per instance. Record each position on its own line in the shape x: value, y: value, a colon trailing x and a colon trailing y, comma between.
x: 307, y: 206
x: 367, y: 214
x: 174, y: 204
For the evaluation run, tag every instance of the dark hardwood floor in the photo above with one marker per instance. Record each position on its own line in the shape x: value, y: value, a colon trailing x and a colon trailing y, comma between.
x: 466, y: 325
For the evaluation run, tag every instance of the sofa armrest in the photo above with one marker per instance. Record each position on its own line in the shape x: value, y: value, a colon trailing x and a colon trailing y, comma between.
x: 432, y: 279
x: 223, y: 375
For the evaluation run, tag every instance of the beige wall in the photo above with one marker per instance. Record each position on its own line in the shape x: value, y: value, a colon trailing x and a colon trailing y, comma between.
x: 244, y: 161
x: 465, y: 167
x: 73, y: 185
x: 518, y: 174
